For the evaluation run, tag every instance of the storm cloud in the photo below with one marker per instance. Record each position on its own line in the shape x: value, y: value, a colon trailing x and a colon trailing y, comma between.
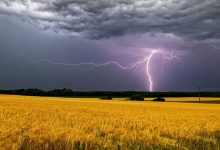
x: 99, y: 31
x: 95, y: 19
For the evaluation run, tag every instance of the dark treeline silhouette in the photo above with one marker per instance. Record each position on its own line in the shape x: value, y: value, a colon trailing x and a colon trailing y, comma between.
x: 69, y: 93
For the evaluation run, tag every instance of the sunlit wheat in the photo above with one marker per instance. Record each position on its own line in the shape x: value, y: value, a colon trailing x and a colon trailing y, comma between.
x: 67, y: 123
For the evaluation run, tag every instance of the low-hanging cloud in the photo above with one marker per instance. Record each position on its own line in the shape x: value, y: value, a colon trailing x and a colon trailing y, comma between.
x: 95, y: 19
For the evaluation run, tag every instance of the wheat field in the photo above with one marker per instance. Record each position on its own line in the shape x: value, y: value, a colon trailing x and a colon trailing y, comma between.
x: 90, y: 123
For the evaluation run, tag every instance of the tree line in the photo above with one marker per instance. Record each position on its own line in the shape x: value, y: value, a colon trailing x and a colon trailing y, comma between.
x: 70, y: 93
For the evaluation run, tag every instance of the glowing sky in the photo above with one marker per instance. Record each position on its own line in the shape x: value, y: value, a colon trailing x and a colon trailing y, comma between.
x: 39, y: 38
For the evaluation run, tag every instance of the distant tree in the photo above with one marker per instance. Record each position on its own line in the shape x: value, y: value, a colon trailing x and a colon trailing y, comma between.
x: 61, y: 92
x: 67, y: 92
x: 137, y: 98
x: 159, y: 99
x: 106, y: 98
x: 34, y: 92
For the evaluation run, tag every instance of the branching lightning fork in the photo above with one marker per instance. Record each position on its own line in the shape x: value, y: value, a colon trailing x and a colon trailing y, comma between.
x: 146, y: 61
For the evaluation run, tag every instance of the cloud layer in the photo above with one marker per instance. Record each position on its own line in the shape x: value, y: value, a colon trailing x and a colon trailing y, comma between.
x: 95, y: 19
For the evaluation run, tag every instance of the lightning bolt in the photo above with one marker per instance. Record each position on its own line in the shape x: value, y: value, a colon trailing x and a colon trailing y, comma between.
x: 148, y: 69
x: 165, y: 55
x: 146, y: 62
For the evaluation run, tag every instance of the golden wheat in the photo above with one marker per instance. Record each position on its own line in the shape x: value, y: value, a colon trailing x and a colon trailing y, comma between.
x: 77, y: 123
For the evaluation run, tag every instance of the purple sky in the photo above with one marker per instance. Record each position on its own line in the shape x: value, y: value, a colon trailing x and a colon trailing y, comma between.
x: 34, y: 33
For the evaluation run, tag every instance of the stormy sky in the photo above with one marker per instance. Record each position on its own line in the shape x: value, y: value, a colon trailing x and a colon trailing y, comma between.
x: 40, y: 39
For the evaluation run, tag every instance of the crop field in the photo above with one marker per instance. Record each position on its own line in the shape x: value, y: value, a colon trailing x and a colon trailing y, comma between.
x: 90, y: 123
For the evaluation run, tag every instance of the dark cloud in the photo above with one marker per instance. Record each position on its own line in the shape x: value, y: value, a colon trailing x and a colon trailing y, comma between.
x: 126, y: 29
x: 194, y: 19
x: 22, y: 46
